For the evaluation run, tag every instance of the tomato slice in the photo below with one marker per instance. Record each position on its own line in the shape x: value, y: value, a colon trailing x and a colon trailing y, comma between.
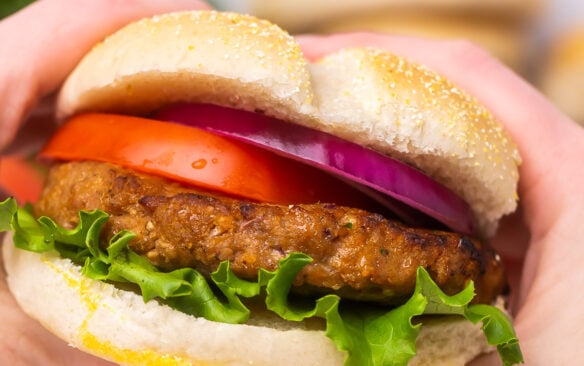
x: 20, y: 178
x: 195, y: 157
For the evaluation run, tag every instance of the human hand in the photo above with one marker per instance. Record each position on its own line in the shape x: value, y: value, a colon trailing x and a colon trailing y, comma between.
x: 541, y: 243
x: 39, y: 46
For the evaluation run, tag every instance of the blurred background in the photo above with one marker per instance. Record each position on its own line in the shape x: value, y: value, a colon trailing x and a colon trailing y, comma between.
x: 542, y: 40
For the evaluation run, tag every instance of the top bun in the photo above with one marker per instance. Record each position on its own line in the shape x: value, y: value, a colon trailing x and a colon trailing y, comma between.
x: 369, y: 96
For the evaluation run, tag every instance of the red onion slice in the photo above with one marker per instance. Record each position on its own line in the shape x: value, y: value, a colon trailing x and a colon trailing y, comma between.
x: 390, y: 179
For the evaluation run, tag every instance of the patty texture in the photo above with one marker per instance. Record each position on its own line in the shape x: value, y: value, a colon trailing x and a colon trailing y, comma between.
x: 357, y: 254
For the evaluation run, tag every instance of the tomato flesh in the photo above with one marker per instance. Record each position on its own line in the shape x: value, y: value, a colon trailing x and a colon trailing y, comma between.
x: 20, y: 178
x: 194, y: 157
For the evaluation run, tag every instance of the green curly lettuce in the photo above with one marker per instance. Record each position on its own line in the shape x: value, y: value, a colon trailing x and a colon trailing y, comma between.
x: 370, y: 335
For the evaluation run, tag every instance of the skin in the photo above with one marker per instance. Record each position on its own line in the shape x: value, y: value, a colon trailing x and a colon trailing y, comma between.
x: 540, y: 243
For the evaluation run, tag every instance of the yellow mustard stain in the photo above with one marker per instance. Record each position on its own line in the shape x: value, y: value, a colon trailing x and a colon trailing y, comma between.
x: 125, y: 356
x: 106, y: 348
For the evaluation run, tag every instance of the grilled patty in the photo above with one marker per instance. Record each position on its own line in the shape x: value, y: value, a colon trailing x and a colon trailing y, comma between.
x: 357, y: 254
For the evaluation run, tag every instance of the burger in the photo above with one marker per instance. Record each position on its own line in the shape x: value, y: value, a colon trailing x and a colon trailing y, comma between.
x: 214, y: 198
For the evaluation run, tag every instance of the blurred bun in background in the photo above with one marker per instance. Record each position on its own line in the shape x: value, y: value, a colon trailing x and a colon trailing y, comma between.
x: 560, y: 74
x: 562, y: 78
x: 502, y: 27
x: 304, y: 15
x: 504, y: 37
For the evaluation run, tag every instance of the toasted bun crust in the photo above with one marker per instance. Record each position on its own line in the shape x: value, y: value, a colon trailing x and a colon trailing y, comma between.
x: 369, y: 96
x: 117, y: 325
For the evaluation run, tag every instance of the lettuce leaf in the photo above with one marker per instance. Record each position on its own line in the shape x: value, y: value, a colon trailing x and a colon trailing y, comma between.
x: 369, y: 334
x: 7, y: 211
x: 498, y: 330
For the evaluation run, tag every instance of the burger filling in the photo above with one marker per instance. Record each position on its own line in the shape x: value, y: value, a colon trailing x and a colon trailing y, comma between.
x: 356, y: 254
x: 203, y: 223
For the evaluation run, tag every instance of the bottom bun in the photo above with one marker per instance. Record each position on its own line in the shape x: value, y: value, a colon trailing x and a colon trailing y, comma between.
x: 117, y: 325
